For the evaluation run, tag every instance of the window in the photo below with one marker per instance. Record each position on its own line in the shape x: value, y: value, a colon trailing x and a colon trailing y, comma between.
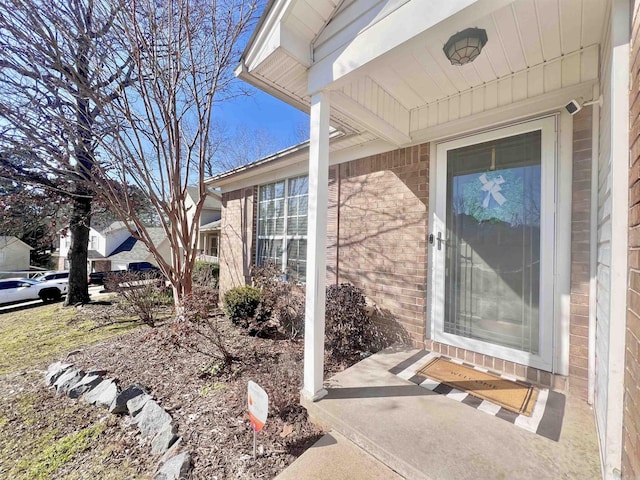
x: 94, y: 243
x: 282, y: 226
x: 211, y: 245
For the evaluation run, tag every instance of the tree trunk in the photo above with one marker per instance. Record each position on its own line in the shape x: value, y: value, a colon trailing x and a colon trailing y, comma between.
x: 78, y: 252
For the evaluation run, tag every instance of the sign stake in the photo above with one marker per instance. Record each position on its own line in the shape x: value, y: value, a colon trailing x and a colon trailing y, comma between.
x: 258, y: 403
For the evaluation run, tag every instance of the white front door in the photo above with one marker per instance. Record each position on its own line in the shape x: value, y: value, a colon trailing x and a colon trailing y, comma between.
x: 493, y: 243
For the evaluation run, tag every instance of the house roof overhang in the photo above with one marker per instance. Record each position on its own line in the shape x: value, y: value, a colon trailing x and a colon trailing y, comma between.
x: 383, y: 64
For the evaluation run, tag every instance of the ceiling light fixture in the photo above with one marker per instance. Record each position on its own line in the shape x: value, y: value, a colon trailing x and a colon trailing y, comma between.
x: 465, y: 46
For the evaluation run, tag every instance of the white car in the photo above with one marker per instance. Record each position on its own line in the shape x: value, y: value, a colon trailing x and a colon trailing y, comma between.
x: 61, y: 274
x: 14, y: 290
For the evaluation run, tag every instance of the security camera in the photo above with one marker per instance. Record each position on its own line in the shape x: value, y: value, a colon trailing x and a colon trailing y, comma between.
x: 574, y: 106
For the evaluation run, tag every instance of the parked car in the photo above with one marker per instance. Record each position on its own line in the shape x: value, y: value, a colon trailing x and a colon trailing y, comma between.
x: 98, y: 278
x: 59, y: 275
x: 14, y: 290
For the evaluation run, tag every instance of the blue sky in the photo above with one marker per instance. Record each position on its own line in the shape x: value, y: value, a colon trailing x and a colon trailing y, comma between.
x: 261, y: 111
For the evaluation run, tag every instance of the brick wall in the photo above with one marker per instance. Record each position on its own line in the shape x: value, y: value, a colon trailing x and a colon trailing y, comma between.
x: 580, y: 254
x: 383, y: 209
x: 237, y: 248
x: 631, y: 422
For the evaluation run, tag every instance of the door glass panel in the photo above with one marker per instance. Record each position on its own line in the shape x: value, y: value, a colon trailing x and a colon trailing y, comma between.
x: 492, y: 277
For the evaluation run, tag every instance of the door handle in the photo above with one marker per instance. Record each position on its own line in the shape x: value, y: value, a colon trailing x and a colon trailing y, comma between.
x: 438, y: 239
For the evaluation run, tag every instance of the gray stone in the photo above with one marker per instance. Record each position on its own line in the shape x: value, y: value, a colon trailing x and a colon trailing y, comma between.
x: 164, y: 439
x: 55, y: 370
x: 172, y: 452
x: 136, y: 404
x: 102, y: 395
x: 151, y: 419
x: 119, y: 405
x: 88, y: 382
x: 175, y: 468
x: 68, y: 380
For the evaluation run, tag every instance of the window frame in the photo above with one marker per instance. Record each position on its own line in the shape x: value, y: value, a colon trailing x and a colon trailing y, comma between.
x: 284, y: 237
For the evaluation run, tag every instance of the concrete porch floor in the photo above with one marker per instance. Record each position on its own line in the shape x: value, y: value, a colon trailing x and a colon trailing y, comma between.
x: 423, y: 435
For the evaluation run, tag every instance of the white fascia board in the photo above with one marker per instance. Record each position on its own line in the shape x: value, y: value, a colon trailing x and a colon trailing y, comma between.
x: 243, y: 73
x: 370, y: 120
x: 363, y: 43
x: 273, y: 34
x: 265, y: 39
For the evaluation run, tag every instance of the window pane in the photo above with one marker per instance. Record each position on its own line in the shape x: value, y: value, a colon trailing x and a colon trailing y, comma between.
x: 269, y: 251
x: 298, y: 186
x: 292, y: 206
x: 303, y: 205
x: 297, y: 259
x: 279, y: 190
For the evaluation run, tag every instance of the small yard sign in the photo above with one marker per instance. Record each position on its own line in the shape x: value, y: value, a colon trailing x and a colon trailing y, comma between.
x: 258, y: 402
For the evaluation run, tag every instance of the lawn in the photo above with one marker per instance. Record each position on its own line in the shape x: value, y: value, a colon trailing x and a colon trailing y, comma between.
x: 35, y: 335
x: 43, y: 436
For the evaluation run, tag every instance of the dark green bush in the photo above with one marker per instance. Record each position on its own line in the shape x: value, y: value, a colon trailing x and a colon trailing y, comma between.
x: 240, y: 303
x: 205, y: 274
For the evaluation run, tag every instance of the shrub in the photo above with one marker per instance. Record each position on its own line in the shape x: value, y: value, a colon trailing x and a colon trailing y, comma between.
x: 141, y: 294
x: 205, y: 274
x: 281, y: 302
x: 198, y: 328
x: 349, y: 330
x: 240, y: 304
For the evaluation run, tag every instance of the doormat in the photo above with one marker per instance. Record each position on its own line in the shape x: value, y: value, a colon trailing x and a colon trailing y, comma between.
x: 548, y: 409
x: 516, y: 396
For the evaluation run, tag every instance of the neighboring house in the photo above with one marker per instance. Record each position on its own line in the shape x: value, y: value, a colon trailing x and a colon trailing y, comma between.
x: 485, y: 206
x: 14, y: 254
x: 209, y: 236
x: 113, y: 248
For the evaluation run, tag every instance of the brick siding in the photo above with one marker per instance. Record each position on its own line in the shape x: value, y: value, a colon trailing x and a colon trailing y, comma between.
x: 376, y: 239
x: 580, y: 254
x: 382, y: 229
x: 631, y: 422
x: 237, y: 248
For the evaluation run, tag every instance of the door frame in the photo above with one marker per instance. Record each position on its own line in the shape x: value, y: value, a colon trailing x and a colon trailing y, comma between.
x: 544, y: 360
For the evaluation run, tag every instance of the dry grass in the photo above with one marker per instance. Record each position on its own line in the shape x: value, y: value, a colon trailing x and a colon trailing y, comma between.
x: 40, y: 334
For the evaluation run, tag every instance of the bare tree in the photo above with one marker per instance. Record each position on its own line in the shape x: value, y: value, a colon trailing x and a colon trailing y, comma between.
x: 183, y: 52
x: 55, y: 59
x: 232, y: 149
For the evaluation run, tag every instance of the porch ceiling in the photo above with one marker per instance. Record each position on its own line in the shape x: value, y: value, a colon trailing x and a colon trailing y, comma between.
x: 534, y: 46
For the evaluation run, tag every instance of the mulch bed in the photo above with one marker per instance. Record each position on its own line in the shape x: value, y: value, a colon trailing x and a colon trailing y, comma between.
x: 210, y: 407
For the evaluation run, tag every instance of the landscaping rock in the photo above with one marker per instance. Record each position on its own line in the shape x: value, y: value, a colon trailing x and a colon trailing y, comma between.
x: 68, y: 380
x: 152, y: 419
x: 102, y: 395
x: 136, y: 404
x: 175, y: 449
x: 55, y: 370
x: 164, y: 439
x: 175, y: 468
x: 119, y: 405
x: 88, y: 382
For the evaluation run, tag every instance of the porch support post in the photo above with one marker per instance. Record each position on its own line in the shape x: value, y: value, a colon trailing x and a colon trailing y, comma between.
x: 316, y: 248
